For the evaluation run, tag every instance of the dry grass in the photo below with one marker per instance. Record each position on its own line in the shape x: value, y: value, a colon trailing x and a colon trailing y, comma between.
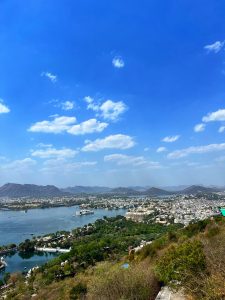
x: 110, y: 282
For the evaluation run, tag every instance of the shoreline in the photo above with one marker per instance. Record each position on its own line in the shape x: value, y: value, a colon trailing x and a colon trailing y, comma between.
x: 6, y: 251
x: 36, y: 207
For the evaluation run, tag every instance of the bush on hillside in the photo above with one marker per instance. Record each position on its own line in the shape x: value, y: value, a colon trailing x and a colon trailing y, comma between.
x: 181, y: 262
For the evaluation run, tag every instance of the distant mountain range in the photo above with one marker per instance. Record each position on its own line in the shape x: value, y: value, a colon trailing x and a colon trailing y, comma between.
x: 32, y: 190
x: 195, y: 189
x: 135, y: 191
x: 157, y: 192
x: 124, y: 191
x: 87, y: 190
x: 153, y: 191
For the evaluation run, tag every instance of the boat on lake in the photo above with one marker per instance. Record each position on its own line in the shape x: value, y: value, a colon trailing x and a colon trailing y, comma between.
x: 84, y: 212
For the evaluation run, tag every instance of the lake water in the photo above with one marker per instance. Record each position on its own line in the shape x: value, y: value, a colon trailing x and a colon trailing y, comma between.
x: 16, y: 226
x: 15, y: 263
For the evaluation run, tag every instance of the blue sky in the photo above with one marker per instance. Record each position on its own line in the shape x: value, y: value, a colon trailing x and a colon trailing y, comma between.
x: 113, y: 93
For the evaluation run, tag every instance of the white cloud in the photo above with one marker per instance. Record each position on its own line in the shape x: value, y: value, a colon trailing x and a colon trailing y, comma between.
x: 49, y: 152
x: 112, y: 110
x: 19, y: 170
x: 93, y: 106
x: 118, y: 62
x: 88, y: 99
x: 66, y: 124
x: 146, y: 149
x: 171, y: 139
x: 136, y: 161
x: 50, y: 76
x: 3, y: 108
x: 57, y: 125
x: 221, y: 129
x: 161, y: 149
x: 42, y: 145
x: 218, y: 115
x: 117, y: 141
x: 91, y: 103
x: 63, y: 166
x: 196, y: 150
x: 67, y: 105
x: 199, y: 127
x: 215, y: 47
x: 109, y: 110
x: 89, y: 126
x: 64, y: 105
x: 19, y: 165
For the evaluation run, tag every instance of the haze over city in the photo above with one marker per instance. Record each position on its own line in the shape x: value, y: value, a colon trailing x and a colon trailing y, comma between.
x: 121, y: 98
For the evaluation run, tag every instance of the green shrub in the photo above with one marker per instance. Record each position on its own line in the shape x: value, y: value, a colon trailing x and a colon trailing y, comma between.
x: 195, y: 228
x: 180, y: 262
x: 77, y: 291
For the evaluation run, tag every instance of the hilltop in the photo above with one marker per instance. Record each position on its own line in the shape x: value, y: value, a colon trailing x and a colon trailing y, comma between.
x: 157, y: 192
x: 30, y: 190
x: 195, y: 189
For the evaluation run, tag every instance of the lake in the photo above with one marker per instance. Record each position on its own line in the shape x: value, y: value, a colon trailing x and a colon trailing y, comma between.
x: 16, y: 226
x: 15, y: 263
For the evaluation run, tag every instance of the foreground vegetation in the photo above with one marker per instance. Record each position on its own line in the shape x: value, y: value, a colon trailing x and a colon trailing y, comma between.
x: 191, y: 259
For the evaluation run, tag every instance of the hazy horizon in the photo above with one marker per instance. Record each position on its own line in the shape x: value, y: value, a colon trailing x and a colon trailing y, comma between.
x: 172, y: 187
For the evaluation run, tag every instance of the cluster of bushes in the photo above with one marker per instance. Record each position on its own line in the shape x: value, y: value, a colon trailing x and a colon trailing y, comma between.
x: 9, y: 247
x: 27, y: 246
x: 193, y: 260
x: 181, y: 262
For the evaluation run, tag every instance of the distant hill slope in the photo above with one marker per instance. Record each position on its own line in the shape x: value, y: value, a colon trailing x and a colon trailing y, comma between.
x: 174, y: 188
x: 124, y: 191
x: 30, y: 190
x: 90, y: 190
x: 87, y: 190
x: 138, y: 190
x: 157, y: 192
x: 195, y: 189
